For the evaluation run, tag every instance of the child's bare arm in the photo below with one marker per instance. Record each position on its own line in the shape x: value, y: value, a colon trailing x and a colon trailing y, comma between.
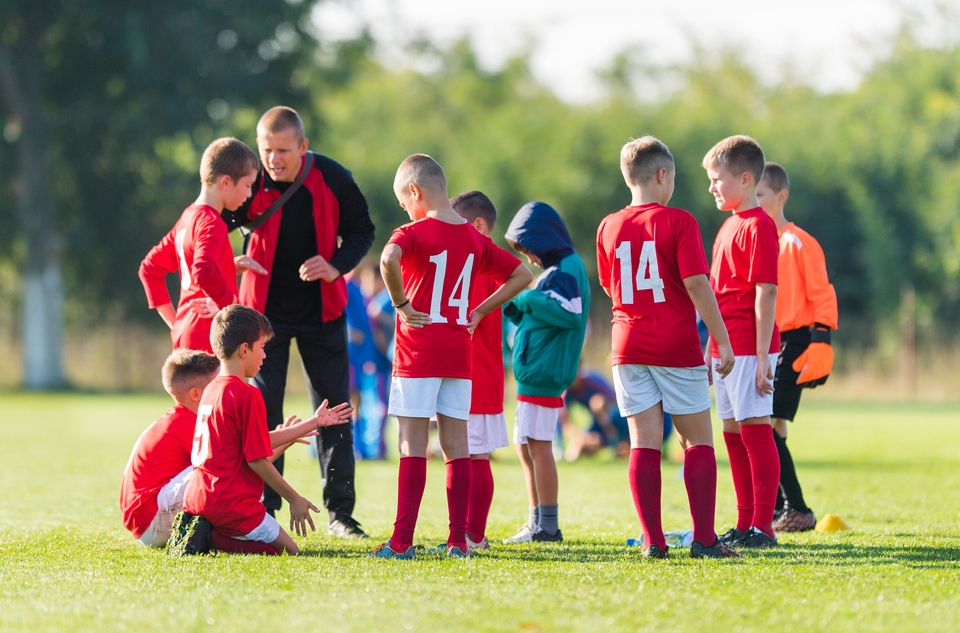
x: 299, y: 506
x: 168, y: 314
x: 766, y: 308
x: 701, y: 294
x: 393, y: 280
x: 519, y: 279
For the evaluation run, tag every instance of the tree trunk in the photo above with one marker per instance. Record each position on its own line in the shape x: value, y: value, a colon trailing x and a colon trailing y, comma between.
x: 42, y: 299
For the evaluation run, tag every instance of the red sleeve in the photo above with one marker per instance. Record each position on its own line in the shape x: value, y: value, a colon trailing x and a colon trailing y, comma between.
x: 404, y: 238
x: 603, y: 261
x: 159, y: 262
x: 764, y: 252
x: 256, y: 437
x: 209, y: 243
x: 691, y: 258
x: 496, y: 263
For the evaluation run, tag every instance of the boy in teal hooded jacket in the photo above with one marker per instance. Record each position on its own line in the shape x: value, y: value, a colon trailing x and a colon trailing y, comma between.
x: 551, y: 321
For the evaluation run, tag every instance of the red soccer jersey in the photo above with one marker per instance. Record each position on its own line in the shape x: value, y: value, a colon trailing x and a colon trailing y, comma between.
x: 439, y: 263
x: 487, y: 389
x: 198, y: 247
x: 643, y: 255
x: 231, y: 431
x: 161, y: 453
x: 744, y: 254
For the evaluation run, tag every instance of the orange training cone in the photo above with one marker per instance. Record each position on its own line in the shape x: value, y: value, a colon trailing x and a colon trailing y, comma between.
x: 831, y: 523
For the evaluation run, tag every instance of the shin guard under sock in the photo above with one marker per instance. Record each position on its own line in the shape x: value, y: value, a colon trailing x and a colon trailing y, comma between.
x: 742, y: 479
x: 411, y: 482
x: 458, y: 499
x: 789, y: 484
x: 481, y: 497
x: 644, y: 472
x: 700, y: 479
x: 765, y: 470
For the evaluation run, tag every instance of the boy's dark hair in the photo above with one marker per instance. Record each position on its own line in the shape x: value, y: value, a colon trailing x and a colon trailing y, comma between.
x: 737, y: 154
x: 471, y: 205
x: 280, y: 119
x: 227, y: 157
x: 423, y: 171
x: 186, y: 368
x: 776, y: 177
x: 235, y: 325
x: 642, y: 158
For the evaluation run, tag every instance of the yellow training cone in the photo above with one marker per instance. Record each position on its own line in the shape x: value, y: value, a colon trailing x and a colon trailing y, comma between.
x: 831, y: 523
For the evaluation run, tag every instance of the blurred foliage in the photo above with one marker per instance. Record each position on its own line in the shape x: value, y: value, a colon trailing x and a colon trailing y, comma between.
x: 874, y: 171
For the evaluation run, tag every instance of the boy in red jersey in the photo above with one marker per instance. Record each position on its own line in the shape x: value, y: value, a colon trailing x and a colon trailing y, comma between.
x: 233, y: 453
x: 198, y: 247
x: 153, y: 481
x: 429, y: 267
x: 806, y: 314
x: 487, y: 426
x: 651, y: 262
x: 744, y: 277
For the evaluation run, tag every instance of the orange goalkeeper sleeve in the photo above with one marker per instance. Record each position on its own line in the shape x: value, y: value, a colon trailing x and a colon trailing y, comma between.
x: 814, y: 365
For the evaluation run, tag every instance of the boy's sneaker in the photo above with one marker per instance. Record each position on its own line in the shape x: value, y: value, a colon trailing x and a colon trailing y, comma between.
x: 731, y: 536
x: 795, y: 521
x: 755, y: 539
x: 190, y: 535
x: 525, y: 535
x: 717, y: 550
x: 540, y: 535
x: 345, y: 527
x: 449, y: 552
x: 383, y: 550
x: 654, y: 551
x: 481, y: 544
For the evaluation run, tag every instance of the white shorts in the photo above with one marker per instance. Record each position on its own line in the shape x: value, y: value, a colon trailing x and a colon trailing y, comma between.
x: 487, y: 431
x: 423, y: 397
x: 737, y: 397
x: 169, y: 502
x: 535, y: 422
x: 683, y: 390
x: 266, y: 532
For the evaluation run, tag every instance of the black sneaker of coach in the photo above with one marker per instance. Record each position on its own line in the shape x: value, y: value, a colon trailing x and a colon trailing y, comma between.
x: 542, y: 536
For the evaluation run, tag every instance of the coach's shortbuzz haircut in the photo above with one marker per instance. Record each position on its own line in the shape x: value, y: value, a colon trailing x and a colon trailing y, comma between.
x: 227, y: 157
x: 187, y: 368
x: 737, y: 154
x: 642, y: 158
x: 235, y: 325
x: 471, y: 205
x: 422, y: 171
x: 776, y: 177
x: 280, y: 119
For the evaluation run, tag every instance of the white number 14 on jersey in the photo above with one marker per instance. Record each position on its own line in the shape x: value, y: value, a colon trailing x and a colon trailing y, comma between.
x: 648, y: 272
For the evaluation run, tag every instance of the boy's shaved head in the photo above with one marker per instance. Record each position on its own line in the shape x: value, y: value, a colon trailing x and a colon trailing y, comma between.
x: 471, y: 205
x: 227, y: 157
x: 776, y: 177
x: 642, y: 158
x: 423, y: 171
x: 281, y: 119
x: 185, y: 369
x: 737, y: 154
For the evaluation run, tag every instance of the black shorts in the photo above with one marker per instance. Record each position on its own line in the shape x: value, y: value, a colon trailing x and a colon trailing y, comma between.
x: 786, y: 392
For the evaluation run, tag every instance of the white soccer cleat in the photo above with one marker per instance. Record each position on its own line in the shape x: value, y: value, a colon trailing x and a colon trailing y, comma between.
x: 525, y: 535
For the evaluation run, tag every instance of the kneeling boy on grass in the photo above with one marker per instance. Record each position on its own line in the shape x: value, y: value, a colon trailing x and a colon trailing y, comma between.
x: 233, y: 453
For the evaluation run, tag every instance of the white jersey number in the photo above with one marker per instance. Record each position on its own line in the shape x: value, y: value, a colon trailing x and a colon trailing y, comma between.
x: 201, y: 436
x: 185, y: 279
x: 459, y: 297
x: 648, y: 272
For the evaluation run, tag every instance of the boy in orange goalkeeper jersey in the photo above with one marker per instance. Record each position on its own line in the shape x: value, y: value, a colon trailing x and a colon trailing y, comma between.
x: 806, y: 314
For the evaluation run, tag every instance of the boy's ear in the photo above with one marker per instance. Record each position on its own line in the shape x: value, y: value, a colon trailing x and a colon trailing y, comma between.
x: 196, y: 393
x: 746, y: 179
x: 415, y: 191
x: 782, y: 196
x: 304, y: 144
x: 481, y: 225
x: 244, y: 349
x: 224, y: 181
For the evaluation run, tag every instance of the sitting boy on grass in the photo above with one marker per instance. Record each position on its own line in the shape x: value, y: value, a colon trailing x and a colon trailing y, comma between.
x: 233, y: 453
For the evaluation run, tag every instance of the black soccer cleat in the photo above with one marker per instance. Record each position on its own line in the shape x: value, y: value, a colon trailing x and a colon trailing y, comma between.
x: 731, y: 536
x: 191, y: 535
x: 717, y: 550
x: 542, y: 536
x: 654, y: 551
x: 755, y: 539
x: 795, y: 521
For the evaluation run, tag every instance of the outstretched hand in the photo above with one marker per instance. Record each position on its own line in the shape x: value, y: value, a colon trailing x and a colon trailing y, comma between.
x: 300, y: 516
x: 245, y: 262
x: 340, y: 414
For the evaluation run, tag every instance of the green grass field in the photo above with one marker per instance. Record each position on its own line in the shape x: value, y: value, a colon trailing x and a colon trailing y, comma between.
x: 891, y: 471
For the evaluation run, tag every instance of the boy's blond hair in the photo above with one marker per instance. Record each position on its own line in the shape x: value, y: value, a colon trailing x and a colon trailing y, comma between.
x: 186, y: 369
x: 227, y: 157
x: 423, y: 171
x: 776, y: 177
x: 280, y: 119
x: 235, y: 325
x: 642, y: 158
x: 737, y: 154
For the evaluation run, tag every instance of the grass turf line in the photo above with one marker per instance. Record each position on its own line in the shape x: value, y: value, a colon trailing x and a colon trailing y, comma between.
x: 67, y: 563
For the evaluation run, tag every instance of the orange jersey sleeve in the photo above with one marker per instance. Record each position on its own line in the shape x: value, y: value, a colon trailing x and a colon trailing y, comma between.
x: 805, y: 295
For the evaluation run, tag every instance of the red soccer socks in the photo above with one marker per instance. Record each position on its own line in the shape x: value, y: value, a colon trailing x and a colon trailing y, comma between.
x: 412, y: 481
x: 765, y: 470
x: 700, y: 479
x: 742, y: 478
x: 481, y: 497
x: 458, y: 500
x: 644, y: 473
